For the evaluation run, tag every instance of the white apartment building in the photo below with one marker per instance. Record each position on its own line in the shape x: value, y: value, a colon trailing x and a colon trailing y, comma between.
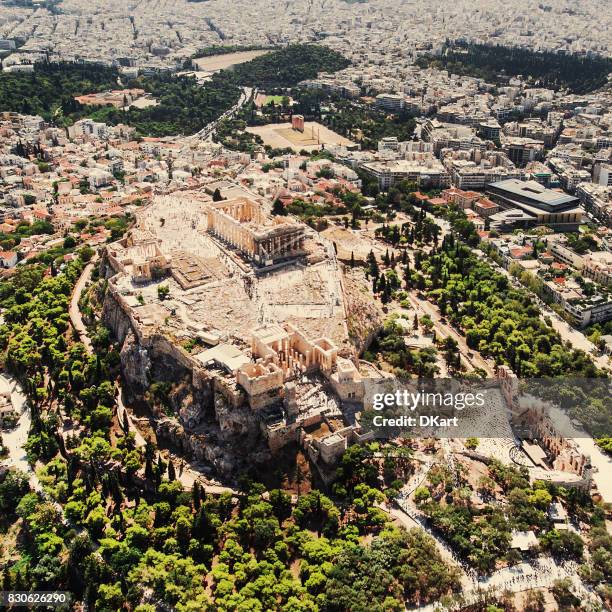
x: 469, y: 175
x: 98, y: 178
x: 602, y: 175
x: 598, y: 267
x: 428, y: 172
x: 565, y: 255
x: 391, y: 102
x: 87, y: 127
x: 389, y: 146
x: 588, y: 311
x: 597, y: 200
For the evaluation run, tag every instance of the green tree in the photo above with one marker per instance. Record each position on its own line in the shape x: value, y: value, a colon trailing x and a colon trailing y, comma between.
x: 163, y: 291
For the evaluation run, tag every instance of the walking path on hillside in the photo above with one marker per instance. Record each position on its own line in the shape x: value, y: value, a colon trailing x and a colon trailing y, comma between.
x: 74, y: 311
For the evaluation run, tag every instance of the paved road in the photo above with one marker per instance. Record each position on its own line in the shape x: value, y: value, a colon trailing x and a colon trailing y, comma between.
x: 77, y: 322
x: 410, y: 518
x: 470, y: 357
x: 576, y: 338
x: 541, y: 573
x: 189, y: 475
x: 566, y: 331
x: 209, y: 130
x: 15, y: 440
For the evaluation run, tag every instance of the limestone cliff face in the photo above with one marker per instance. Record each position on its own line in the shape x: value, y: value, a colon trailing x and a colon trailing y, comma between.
x: 193, y: 403
x: 364, y: 313
x: 114, y: 317
x: 210, y: 448
x: 135, y: 366
x: 135, y: 361
x: 206, y: 418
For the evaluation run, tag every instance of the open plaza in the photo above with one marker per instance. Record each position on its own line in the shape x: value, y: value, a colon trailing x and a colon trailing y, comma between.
x: 314, y: 136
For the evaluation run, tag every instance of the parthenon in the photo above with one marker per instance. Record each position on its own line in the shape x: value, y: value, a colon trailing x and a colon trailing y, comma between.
x: 265, y: 240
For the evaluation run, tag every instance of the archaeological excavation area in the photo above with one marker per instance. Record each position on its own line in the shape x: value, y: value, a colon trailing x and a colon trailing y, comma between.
x: 249, y: 312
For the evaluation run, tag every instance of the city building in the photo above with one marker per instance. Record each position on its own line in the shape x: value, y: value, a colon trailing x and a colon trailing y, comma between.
x: 427, y: 173
x: 545, y: 206
x: 598, y: 267
x: 390, y: 102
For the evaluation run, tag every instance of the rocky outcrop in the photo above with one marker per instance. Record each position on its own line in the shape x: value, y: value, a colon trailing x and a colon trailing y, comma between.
x: 208, y: 418
x: 227, y: 457
x: 135, y: 366
x: 235, y: 421
x: 114, y: 316
x: 364, y: 316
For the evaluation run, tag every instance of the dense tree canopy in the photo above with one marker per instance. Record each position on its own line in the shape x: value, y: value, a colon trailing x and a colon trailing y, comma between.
x: 116, y: 533
x: 184, y: 106
x: 288, y: 66
x: 504, y: 323
x: 52, y: 86
x: 578, y: 73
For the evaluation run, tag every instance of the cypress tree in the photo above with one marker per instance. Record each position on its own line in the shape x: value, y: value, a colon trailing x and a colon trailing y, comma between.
x: 125, y: 422
x: 195, y: 495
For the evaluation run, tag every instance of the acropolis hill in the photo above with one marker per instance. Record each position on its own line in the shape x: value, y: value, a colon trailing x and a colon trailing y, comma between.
x: 259, y: 333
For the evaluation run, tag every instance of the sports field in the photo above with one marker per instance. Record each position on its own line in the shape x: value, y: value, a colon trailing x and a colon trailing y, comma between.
x: 275, y: 99
x: 262, y: 99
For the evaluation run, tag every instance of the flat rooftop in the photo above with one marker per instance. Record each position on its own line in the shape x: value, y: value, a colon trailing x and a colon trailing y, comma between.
x: 523, y: 540
x: 269, y: 333
x: 531, y: 192
x: 226, y: 355
x: 405, y: 166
